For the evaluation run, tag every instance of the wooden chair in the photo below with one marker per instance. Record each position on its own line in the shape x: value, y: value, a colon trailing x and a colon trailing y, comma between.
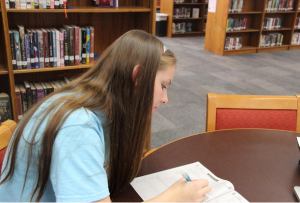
x: 6, y: 130
x: 250, y: 111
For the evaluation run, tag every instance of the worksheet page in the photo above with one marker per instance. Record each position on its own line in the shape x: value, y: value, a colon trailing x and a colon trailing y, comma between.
x: 152, y: 185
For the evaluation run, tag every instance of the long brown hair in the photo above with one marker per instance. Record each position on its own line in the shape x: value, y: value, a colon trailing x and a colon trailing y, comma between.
x: 107, y: 86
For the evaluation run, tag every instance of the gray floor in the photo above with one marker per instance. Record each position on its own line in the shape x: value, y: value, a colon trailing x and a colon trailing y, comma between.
x: 199, y: 72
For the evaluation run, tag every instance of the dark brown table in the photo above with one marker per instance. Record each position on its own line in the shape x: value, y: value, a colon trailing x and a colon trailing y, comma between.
x: 261, y: 164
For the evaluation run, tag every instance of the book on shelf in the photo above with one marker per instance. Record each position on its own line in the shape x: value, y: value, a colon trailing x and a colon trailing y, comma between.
x: 296, y: 38
x: 57, y: 47
x: 196, y: 12
x: 40, y: 36
x: 50, y: 48
x: 279, y: 5
x: 39, y: 92
x: 71, y: 44
x: 87, y: 44
x: 46, y: 47
x: 272, y: 23
x: 36, y: 48
x: 237, y: 24
x: 28, y: 94
x: 83, y: 45
x: 18, y: 49
x: 233, y: 43
x: 19, y: 102
x: 33, y: 94
x: 23, y: 97
x: 92, y: 44
x: 23, y: 47
x: 36, y: 4
x: 18, y: 6
x: 271, y: 40
x: 61, y: 48
x: 27, y: 48
x: 5, y: 108
x: 54, y: 51
x: 106, y: 3
x: 76, y: 44
x: 13, y: 53
x: 23, y: 4
x: 235, y: 6
x: 152, y: 185
x: 31, y: 48
x: 7, y: 4
x: 44, y: 89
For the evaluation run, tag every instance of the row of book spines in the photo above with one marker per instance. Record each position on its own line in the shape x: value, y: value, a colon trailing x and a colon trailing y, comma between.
x: 235, y: 6
x: 232, y: 43
x: 186, y: 12
x: 36, y: 4
x: 279, y: 5
x: 236, y: 24
x: 27, y: 94
x: 51, y: 48
x: 296, y: 38
x: 271, y: 40
x: 272, y: 23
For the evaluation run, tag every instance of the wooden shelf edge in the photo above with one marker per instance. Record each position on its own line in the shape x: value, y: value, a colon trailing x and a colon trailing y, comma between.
x: 249, y: 30
x: 89, y: 9
x: 39, y: 70
x: 188, y: 4
x: 275, y: 47
x: 196, y: 32
x: 280, y: 12
x: 186, y: 19
x: 242, y: 49
x: 282, y: 29
x: 246, y: 12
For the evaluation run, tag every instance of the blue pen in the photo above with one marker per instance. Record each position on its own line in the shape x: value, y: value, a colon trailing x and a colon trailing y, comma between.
x: 186, y: 176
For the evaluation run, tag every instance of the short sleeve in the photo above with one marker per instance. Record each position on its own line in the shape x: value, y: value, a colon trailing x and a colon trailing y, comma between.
x: 77, y: 168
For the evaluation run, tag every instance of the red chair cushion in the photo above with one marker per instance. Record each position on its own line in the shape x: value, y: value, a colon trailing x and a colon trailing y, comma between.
x: 2, y: 154
x: 256, y: 118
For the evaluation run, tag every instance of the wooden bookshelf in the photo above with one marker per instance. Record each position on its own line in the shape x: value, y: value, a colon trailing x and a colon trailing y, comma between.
x: 109, y: 24
x: 254, y: 11
x: 168, y: 6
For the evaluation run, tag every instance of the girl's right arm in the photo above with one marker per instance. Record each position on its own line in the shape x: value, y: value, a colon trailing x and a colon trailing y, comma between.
x: 184, y: 191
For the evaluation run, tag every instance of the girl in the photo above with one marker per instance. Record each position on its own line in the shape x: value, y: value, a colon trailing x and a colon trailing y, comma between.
x: 85, y: 142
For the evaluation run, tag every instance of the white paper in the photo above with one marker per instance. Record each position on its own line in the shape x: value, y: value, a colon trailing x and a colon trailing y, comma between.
x: 212, y: 5
x: 298, y: 139
x: 152, y: 185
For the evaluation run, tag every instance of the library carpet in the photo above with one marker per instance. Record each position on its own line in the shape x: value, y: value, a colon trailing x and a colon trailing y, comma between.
x: 199, y: 72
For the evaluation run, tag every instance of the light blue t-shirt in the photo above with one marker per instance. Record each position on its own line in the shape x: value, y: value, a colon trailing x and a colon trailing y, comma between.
x: 77, y: 171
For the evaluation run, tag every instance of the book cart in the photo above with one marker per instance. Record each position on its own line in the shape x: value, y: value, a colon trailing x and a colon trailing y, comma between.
x: 254, y: 11
x: 109, y: 23
x: 168, y: 6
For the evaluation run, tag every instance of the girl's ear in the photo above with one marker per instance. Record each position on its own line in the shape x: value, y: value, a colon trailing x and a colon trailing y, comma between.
x: 134, y: 73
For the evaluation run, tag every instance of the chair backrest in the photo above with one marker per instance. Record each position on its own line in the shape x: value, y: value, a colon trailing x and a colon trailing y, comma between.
x: 6, y: 130
x: 251, y: 111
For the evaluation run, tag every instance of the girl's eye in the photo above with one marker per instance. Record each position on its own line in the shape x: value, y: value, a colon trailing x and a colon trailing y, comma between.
x: 162, y: 86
